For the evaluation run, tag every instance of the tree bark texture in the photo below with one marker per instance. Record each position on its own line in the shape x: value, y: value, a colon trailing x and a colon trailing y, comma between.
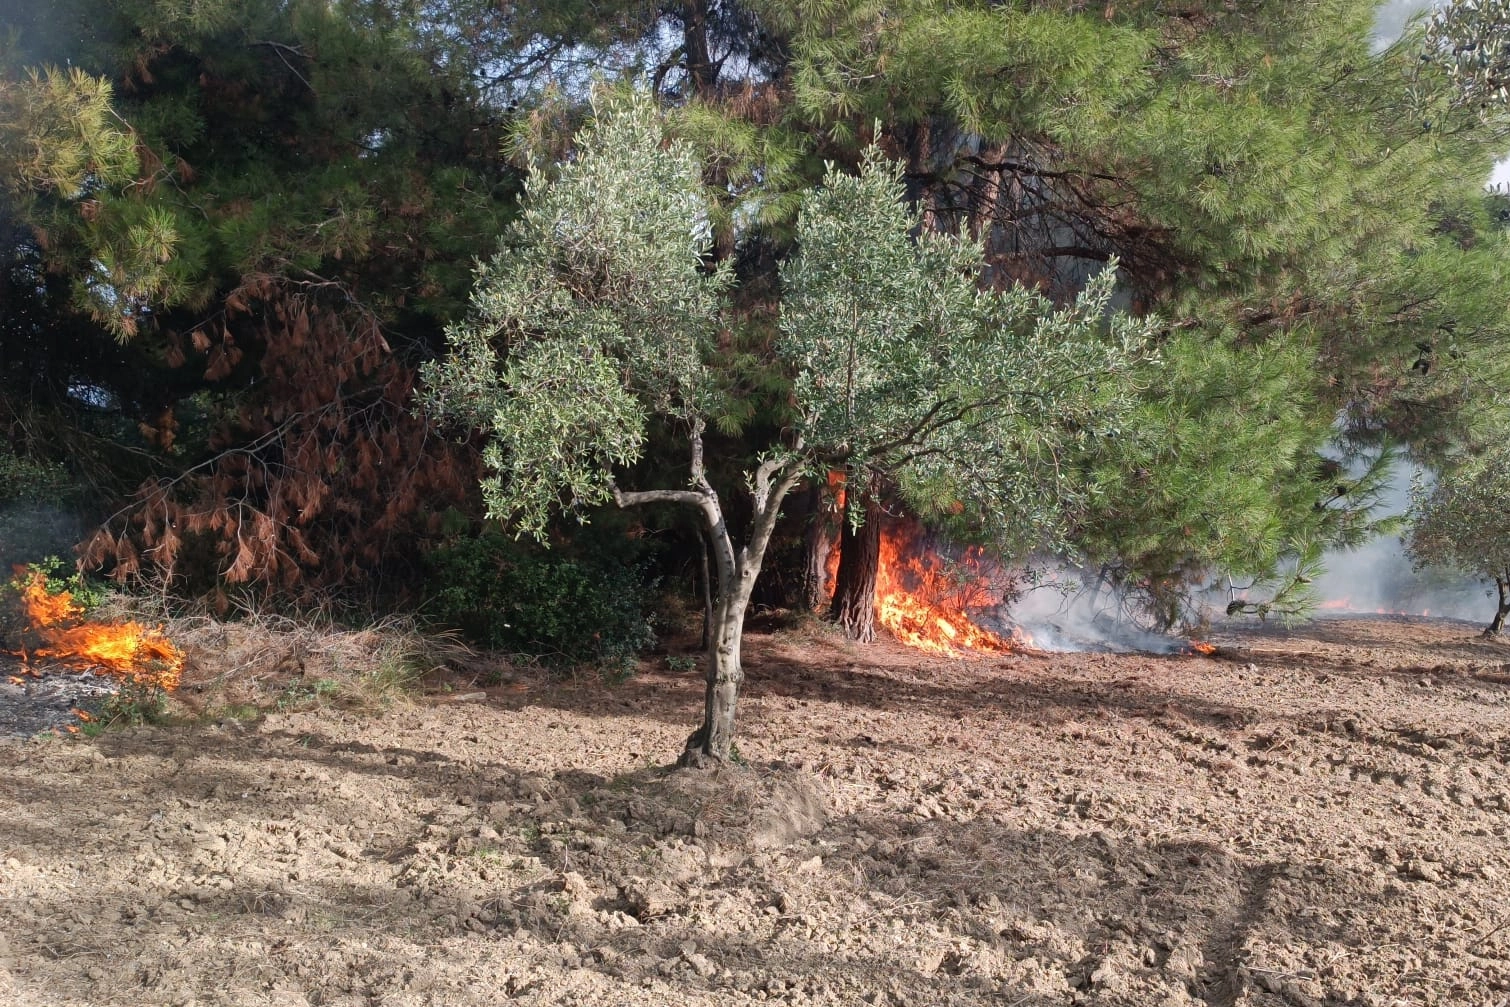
x: 736, y: 571
x: 1503, y: 584
x: 700, y: 69
x: 816, y: 543
x: 854, y: 603
x: 705, y: 579
x: 713, y: 741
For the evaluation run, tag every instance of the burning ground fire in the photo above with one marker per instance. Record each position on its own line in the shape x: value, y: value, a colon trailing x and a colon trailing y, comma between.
x: 934, y: 603
x: 126, y: 649
x: 926, y: 601
x: 927, y: 605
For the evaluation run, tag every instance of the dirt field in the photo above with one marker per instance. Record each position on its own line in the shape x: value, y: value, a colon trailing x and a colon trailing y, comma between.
x: 1320, y: 817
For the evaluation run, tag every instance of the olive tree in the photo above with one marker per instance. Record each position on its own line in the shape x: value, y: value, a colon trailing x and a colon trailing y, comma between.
x: 1463, y: 522
x: 600, y: 314
x: 1470, y: 39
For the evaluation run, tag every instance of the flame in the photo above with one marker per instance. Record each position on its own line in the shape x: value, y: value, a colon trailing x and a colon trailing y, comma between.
x: 1202, y: 647
x: 836, y: 486
x: 128, y: 649
x: 924, y: 601
x: 1348, y: 606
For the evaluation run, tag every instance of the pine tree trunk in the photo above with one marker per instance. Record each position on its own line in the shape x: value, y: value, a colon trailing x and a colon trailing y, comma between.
x: 854, y: 604
x: 700, y: 68
x: 1095, y: 592
x: 816, y: 543
x: 1503, y: 584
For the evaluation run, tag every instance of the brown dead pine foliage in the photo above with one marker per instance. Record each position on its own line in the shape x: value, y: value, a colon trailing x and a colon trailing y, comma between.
x: 324, y: 478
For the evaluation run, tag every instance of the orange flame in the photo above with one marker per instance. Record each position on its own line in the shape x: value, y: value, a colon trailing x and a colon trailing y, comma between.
x: 926, y: 604
x: 128, y: 649
x: 836, y: 486
x: 1202, y: 647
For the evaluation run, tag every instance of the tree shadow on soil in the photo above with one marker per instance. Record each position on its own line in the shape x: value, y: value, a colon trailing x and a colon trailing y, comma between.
x: 622, y: 874
x: 1038, y: 688
x: 621, y: 879
x: 1037, y: 695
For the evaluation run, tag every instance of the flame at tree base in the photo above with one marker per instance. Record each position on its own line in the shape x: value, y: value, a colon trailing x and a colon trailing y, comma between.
x: 926, y: 600
x: 941, y: 632
x: 127, y: 649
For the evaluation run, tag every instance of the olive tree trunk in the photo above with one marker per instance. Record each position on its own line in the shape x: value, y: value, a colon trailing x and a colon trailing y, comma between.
x: 712, y: 742
x: 1503, y: 584
x: 705, y: 583
x: 734, y: 573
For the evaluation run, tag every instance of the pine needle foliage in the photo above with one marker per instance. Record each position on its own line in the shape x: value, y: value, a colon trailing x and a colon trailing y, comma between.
x: 58, y: 132
x: 311, y: 182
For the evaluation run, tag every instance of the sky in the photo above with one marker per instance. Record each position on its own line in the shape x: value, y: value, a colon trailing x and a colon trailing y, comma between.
x: 1388, y: 24
x: 1393, y: 14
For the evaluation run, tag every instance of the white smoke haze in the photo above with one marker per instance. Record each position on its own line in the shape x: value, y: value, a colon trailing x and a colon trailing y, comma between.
x: 1062, y: 608
x: 1378, y: 576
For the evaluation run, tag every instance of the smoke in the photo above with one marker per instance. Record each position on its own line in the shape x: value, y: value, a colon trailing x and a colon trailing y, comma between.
x: 1378, y: 576
x: 31, y: 532
x: 1063, y: 611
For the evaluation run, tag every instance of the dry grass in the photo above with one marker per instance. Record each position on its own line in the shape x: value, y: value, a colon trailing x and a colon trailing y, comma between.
x: 255, y: 656
x: 259, y: 662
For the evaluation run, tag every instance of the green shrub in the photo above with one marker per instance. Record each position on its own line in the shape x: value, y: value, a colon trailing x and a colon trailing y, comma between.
x: 31, y: 479
x: 134, y: 704
x: 564, y: 609
x: 61, y: 576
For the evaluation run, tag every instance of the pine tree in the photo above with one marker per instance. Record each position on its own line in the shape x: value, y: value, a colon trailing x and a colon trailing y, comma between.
x: 1282, y: 194
x: 312, y: 181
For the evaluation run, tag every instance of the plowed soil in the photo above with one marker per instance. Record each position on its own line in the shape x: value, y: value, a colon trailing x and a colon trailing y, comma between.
x: 1316, y: 817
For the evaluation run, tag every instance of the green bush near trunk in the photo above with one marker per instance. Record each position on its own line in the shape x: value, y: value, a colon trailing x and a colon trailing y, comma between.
x: 565, y: 610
